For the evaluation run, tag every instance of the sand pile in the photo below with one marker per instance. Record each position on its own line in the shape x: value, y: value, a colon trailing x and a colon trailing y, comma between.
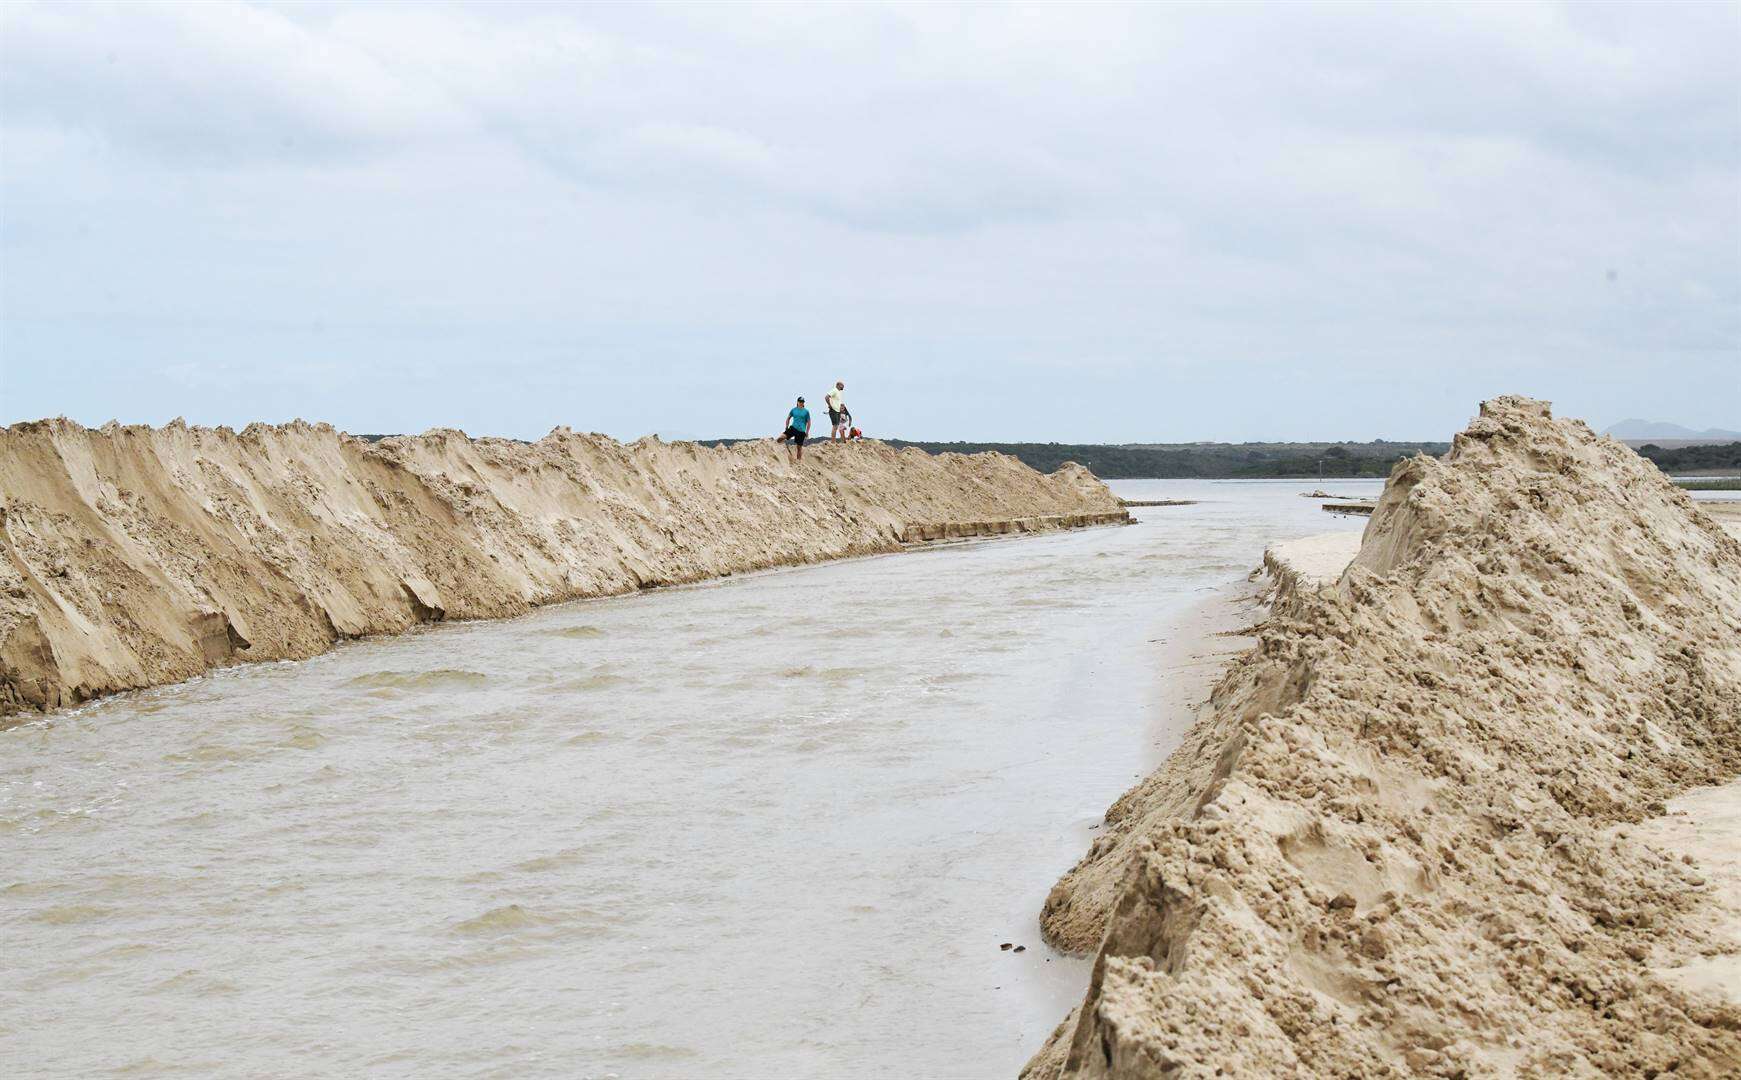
x: 1397, y: 841
x: 139, y: 556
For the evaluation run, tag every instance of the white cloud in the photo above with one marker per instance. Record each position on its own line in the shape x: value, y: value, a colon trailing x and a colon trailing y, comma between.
x: 206, y: 84
x: 1101, y: 195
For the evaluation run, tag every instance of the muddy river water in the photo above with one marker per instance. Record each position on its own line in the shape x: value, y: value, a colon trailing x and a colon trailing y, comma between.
x: 778, y: 825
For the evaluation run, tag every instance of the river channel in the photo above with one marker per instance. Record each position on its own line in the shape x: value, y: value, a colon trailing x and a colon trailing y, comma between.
x: 776, y: 825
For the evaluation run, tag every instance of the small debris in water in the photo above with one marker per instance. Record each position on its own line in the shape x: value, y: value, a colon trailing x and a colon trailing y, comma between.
x: 1021, y: 948
x: 1007, y: 946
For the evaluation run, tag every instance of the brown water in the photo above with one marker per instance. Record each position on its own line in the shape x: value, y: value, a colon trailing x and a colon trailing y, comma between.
x: 772, y: 826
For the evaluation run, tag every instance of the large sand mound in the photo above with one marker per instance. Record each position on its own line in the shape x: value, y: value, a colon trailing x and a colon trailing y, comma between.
x: 138, y: 556
x: 1398, y: 840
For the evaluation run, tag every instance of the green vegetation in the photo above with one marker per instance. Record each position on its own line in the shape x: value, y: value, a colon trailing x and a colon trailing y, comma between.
x: 1210, y: 461
x: 1705, y: 458
x: 1222, y: 461
x: 1726, y: 484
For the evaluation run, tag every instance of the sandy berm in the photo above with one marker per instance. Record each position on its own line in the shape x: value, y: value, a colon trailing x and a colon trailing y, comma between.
x: 1399, y: 839
x: 136, y: 556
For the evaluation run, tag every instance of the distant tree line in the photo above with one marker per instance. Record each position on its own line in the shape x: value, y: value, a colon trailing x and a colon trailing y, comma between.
x: 1251, y: 461
x: 1704, y: 458
x: 1208, y: 461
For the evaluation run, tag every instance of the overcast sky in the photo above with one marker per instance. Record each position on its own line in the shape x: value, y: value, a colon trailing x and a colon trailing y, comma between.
x: 1073, y: 222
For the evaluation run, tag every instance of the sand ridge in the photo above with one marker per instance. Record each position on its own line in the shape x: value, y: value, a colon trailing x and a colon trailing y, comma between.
x: 1396, y: 841
x: 137, y: 556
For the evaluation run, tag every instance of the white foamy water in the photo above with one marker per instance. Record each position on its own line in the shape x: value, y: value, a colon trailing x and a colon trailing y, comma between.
x: 772, y: 826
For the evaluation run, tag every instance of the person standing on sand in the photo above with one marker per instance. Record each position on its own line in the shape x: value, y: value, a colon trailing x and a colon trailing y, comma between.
x: 837, y: 414
x: 797, y: 429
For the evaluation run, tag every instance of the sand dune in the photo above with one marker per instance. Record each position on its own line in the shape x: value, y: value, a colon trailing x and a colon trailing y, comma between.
x: 139, y: 556
x: 1402, y: 837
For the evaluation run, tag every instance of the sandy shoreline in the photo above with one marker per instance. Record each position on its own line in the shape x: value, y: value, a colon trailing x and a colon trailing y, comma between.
x: 1199, y: 641
x: 1452, y: 815
x: 1202, y: 642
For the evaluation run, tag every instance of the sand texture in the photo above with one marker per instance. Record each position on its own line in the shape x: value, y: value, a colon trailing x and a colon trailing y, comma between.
x: 1726, y: 513
x: 1403, y: 838
x: 137, y: 556
x: 1703, y: 826
x: 1310, y: 562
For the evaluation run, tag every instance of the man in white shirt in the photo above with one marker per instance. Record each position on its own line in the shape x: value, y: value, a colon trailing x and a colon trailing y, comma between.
x: 838, y: 417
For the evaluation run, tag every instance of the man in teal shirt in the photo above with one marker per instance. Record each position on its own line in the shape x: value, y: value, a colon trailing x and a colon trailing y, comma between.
x: 797, y: 430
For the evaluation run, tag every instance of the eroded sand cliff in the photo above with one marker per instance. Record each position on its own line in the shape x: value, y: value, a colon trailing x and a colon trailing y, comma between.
x: 136, y: 556
x: 1398, y: 840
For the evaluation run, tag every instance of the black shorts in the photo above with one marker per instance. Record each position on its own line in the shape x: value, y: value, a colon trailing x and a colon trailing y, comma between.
x: 834, y: 416
x: 795, y: 435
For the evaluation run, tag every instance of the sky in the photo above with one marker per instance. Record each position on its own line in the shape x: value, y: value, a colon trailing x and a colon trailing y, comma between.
x: 1068, y: 222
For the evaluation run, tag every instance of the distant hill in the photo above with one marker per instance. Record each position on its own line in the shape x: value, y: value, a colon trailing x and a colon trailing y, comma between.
x: 1661, y: 429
